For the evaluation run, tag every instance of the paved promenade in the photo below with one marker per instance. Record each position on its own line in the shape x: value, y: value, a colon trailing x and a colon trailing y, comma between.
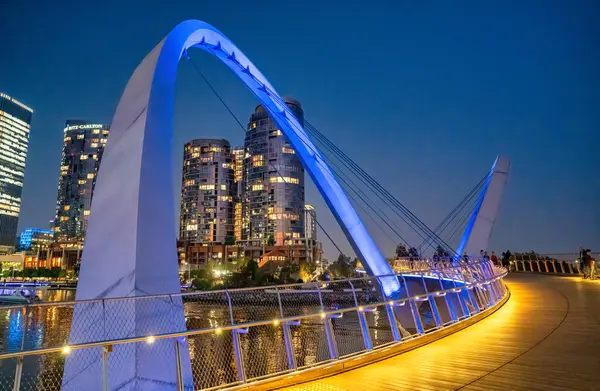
x: 546, y: 337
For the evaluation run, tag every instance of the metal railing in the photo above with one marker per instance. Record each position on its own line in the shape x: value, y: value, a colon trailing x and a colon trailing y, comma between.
x: 239, y: 336
x: 567, y: 264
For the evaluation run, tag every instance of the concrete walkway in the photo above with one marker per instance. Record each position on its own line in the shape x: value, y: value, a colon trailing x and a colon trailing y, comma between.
x: 546, y: 337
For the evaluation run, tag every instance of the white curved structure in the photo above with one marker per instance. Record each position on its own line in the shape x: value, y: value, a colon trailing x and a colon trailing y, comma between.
x: 479, y: 228
x: 130, y: 244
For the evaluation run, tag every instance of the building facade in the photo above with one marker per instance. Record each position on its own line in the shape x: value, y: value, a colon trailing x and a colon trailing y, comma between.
x: 32, y: 239
x: 83, y: 146
x: 207, y: 192
x: 310, y: 222
x: 15, y: 125
x: 273, y: 188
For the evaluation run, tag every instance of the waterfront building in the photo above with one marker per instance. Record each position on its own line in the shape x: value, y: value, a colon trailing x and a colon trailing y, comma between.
x: 207, y: 190
x: 273, y: 190
x: 15, y: 125
x: 310, y: 222
x: 83, y: 145
x: 32, y: 239
x: 237, y: 159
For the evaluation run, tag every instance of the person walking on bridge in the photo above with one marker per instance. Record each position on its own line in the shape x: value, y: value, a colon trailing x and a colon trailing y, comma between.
x: 590, y: 264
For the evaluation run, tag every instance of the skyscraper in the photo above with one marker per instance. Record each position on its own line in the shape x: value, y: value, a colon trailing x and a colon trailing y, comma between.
x: 15, y: 124
x: 237, y: 158
x: 273, y: 204
x: 83, y: 146
x: 310, y: 222
x: 207, y: 190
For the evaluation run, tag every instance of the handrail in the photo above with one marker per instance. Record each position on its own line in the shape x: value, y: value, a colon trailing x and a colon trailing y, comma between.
x: 322, y: 314
x: 223, y: 291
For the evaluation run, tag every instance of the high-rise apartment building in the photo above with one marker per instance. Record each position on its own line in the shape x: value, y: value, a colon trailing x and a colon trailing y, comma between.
x: 83, y: 146
x: 15, y: 124
x: 237, y: 158
x: 273, y: 197
x: 207, y: 191
x: 310, y: 222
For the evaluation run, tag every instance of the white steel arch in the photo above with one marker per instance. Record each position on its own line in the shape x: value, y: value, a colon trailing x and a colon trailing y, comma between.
x: 130, y: 243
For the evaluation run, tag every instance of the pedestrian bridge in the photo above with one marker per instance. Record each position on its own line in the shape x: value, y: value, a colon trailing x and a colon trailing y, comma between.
x: 545, y: 337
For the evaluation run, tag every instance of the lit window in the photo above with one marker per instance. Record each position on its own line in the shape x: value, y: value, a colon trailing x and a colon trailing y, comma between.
x: 90, y: 175
x: 225, y: 198
x: 191, y: 227
x: 105, y: 131
x: 95, y: 157
x: 67, y: 139
x: 276, y: 132
x: 285, y: 179
x: 64, y: 218
x: 223, y: 187
x: 207, y: 187
x: 94, y: 145
x: 86, y: 212
x: 81, y: 181
x: 253, y: 125
x: 96, y: 131
x: 80, y: 136
x: 257, y: 187
x: 287, y: 150
x: 190, y: 182
x: 67, y: 207
x: 195, y: 155
x: 83, y: 157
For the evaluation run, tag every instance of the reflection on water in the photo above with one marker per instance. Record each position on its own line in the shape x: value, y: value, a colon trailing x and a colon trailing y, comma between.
x: 212, y: 355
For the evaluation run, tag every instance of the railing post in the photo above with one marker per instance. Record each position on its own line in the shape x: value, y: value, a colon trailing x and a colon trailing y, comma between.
x: 19, y: 368
x: 329, y: 334
x: 237, y: 347
x: 105, y: 351
x: 451, y: 310
x: 331, y: 343
x: 389, y: 308
x: 287, y: 336
x: 362, y: 321
x: 178, y: 366
x: 18, y: 374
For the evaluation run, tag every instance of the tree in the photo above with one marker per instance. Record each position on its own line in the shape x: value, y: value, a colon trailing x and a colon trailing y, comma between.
x: 271, y: 241
x: 341, y: 267
x: 229, y: 240
x: 413, y: 252
x: 251, y: 269
x: 307, y: 270
x: 401, y: 251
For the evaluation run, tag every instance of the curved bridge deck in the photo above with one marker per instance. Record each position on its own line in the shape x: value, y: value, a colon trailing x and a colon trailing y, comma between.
x: 546, y: 337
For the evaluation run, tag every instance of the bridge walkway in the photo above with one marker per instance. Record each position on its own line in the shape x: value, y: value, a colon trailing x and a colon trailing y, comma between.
x: 546, y: 337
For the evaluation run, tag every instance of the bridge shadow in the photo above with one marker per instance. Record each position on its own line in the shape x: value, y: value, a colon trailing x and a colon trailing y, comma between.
x: 546, y: 337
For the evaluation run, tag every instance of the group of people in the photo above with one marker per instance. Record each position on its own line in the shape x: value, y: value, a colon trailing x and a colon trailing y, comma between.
x: 589, y: 264
x: 504, y: 262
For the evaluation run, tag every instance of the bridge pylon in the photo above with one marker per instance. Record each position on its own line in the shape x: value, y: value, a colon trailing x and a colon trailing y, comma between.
x: 479, y: 228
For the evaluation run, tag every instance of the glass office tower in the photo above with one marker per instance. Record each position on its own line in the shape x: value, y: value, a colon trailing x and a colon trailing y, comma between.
x: 15, y: 124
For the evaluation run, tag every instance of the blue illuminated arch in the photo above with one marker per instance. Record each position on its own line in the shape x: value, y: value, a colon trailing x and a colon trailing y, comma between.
x: 130, y: 241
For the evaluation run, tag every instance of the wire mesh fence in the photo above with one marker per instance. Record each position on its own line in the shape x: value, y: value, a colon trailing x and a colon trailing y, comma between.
x: 236, y: 336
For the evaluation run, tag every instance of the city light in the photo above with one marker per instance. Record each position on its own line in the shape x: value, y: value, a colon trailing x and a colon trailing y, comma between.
x: 218, y: 331
x: 66, y: 349
x: 275, y: 322
x: 150, y: 340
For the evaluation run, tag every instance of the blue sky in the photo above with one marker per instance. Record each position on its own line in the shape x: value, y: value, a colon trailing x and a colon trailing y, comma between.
x: 423, y: 95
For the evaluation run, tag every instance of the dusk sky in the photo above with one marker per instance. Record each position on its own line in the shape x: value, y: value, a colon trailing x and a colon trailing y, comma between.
x: 422, y: 94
